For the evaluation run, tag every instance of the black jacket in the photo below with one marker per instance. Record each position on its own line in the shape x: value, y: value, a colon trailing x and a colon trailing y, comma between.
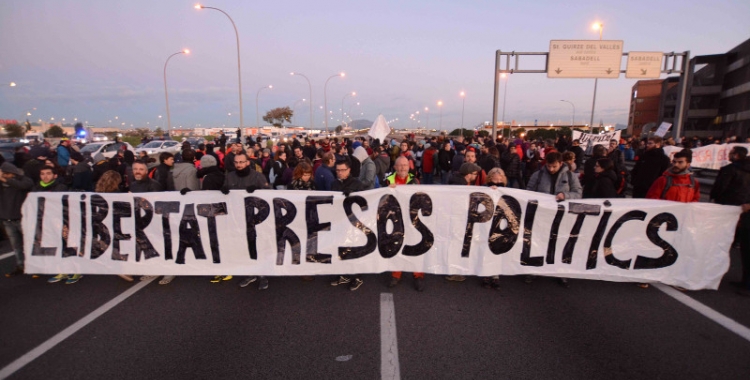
x: 242, y: 179
x: 56, y: 187
x: 578, y: 151
x: 445, y: 159
x: 83, y: 178
x: 349, y: 185
x: 732, y: 186
x: 604, y: 185
x: 163, y: 175
x: 146, y: 185
x: 12, y: 194
x: 213, y: 178
x: 511, y: 164
x: 648, y: 167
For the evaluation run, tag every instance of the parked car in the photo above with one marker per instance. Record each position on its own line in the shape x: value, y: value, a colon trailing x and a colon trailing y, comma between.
x: 8, y: 150
x: 195, y: 141
x: 158, y: 146
x: 107, y: 148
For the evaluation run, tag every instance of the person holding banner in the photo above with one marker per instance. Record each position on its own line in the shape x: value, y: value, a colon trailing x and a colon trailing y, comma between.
x: 347, y: 184
x: 648, y: 167
x: 402, y: 177
x: 555, y: 178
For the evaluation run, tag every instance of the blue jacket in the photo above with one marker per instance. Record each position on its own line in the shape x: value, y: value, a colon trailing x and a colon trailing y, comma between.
x: 324, y: 178
x: 63, y: 156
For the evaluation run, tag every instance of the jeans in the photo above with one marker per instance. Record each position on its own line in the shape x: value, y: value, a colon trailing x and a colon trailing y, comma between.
x: 15, y: 235
x: 444, y: 175
x: 427, y: 178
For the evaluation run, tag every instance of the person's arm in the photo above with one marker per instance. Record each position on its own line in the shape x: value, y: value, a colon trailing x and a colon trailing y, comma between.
x: 574, y: 187
x: 368, y: 175
x: 533, y: 181
x: 654, y: 192
x: 696, y: 191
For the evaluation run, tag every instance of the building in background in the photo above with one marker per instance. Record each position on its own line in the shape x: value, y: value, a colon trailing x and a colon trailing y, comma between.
x: 646, y: 100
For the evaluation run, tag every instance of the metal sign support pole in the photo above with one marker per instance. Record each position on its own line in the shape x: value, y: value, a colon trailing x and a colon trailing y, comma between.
x: 494, y: 99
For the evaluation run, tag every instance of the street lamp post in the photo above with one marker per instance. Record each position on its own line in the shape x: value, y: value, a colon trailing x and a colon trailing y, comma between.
x: 257, y: 113
x: 325, y: 97
x: 353, y: 93
x: 166, y: 94
x: 239, y: 72
x: 599, y: 26
x: 463, y: 107
x: 311, y: 101
x: 573, y: 122
x: 440, y: 106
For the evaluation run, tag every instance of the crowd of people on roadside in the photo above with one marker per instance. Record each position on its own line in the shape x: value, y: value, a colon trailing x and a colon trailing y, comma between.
x: 558, y: 167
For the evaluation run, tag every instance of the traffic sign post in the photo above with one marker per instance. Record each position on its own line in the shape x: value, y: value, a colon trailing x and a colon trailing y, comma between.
x: 644, y: 64
x: 584, y: 59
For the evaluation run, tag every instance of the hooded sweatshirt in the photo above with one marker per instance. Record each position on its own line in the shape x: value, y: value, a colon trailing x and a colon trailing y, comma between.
x: 184, y: 175
x: 368, y: 170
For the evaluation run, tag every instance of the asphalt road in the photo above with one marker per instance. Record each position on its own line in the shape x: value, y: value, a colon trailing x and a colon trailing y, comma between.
x: 310, y: 330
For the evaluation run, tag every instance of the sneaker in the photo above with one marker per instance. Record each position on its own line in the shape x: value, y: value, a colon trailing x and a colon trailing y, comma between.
x: 166, y: 280
x: 73, y: 279
x: 356, y: 284
x: 216, y: 279
x: 126, y: 277
x: 227, y: 278
x: 57, y: 278
x: 341, y: 280
x: 643, y: 285
x: 147, y: 278
x: 263, y: 283
x: 456, y: 278
x: 16, y: 272
x: 419, y: 284
x: 247, y: 281
x: 563, y: 282
x: 394, y: 282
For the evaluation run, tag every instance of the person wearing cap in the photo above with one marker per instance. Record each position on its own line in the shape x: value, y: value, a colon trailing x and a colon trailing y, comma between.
x: 81, y: 173
x: 212, y: 178
x: 63, y: 152
x: 467, y: 174
x: 39, y: 155
x: 14, y: 187
x: 471, y: 157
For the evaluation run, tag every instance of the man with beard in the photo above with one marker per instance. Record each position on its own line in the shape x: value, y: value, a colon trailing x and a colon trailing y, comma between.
x: 677, y: 183
x: 648, y: 167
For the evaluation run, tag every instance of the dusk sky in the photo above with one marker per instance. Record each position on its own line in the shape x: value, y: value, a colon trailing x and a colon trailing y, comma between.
x: 95, y: 60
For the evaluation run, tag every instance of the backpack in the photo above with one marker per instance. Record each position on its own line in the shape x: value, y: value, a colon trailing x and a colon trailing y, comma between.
x: 152, y: 172
x: 669, y: 185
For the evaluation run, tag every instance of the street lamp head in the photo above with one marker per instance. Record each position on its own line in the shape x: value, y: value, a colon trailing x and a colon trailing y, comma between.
x: 198, y: 6
x: 270, y: 86
x: 440, y: 103
x: 462, y: 94
x: 12, y: 84
x: 292, y: 73
x: 597, y: 26
x: 426, y: 109
x: 342, y: 74
x: 354, y: 93
x: 503, y: 75
x: 186, y: 51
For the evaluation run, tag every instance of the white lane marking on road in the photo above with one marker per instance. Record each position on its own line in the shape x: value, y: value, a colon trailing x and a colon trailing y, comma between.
x: 5, y: 256
x: 70, y: 330
x: 389, y: 368
x: 728, y: 323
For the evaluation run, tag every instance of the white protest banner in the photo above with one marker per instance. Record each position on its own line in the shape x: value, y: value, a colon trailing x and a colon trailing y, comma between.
x: 434, y: 229
x: 712, y: 156
x: 602, y: 139
x: 663, y: 128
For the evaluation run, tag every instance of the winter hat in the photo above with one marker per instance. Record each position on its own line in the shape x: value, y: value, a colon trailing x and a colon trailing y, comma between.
x: 356, y: 145
x: 208, y: 161
x: 360, y: 153
x: 468, y: 168
x: 7, y: 167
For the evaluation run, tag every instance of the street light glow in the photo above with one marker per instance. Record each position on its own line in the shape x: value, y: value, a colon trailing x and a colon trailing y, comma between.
x: 12, y: 84
x: 597, y: 26
x: 342, y: 74
x: 186, y: 51
x: 462, y: 94
x: 440, y: 103
x: 198, y: 6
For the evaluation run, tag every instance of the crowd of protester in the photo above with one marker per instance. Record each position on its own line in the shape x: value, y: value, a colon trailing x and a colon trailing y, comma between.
x: 558, y: 167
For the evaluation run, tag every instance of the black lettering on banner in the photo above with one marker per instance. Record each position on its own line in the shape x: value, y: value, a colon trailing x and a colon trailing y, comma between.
x: 609, y: 254
x: 284, y: 213
x: 350, y: 253
x: 502, y: 240
x: 420, y: 201
x: 390, y: 209
x: 66, y: 251
x: 552, y: 246
x: 594, y: 248
x: 144, y: 213
x: 37, y: 249
x: 256, y: 211
x: 100, y: 238
x: 314, y: 226
x: 190, y: 235
x: 528, y: 224
x: 82, y: 249
x: 581, y: 209
x: 210, y: 211
x: 119, y: 210
x: 652, y: 231
x: 165, y: 209
x: 475, y: 199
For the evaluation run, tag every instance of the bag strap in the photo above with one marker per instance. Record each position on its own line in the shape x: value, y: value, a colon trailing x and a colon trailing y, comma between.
x: 666, y: 187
